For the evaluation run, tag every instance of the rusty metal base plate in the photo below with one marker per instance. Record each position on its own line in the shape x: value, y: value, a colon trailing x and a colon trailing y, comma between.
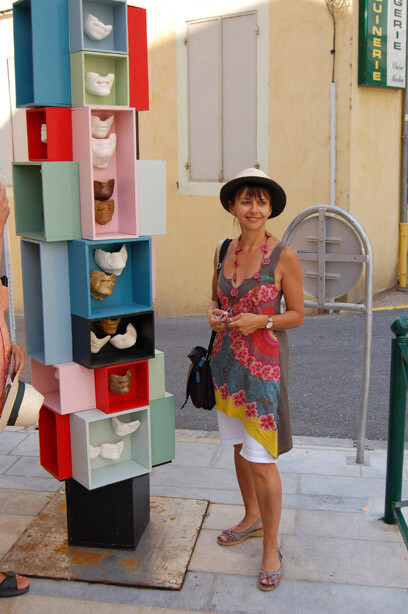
x: 160, y: 559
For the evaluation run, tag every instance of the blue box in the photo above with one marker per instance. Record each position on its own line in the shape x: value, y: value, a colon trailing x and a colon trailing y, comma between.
x: 46, y: 301
x: 41, y: 51
x: 133, y: 289
x: 109, y: 12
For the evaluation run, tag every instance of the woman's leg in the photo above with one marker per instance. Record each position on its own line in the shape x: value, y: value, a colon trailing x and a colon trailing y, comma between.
x: 268, y: 489
x: 247, y: 487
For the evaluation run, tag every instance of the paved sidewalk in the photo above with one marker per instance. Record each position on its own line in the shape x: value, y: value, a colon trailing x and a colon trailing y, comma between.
x: 338, y: 555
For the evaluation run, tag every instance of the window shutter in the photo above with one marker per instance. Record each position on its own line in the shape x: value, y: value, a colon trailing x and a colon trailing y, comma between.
x: 204, y: 77
x: 239, y: 66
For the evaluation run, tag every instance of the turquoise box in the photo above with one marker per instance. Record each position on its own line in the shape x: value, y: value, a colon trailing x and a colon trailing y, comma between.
x: 41, y: 52
x: 132, y: 291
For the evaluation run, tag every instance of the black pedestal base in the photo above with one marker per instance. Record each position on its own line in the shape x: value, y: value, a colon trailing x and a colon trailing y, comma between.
x: 112, y: 516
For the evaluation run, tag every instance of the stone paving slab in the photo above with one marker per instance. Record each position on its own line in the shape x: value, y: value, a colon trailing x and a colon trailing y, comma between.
x: 27, y: 466
x: 197, y: 592
x: 346, y: 525
x: 243, y: 559
x: 30, y: 446
x: 34, y: 604
x: 17, y: 482
x: 325, y: 502
x: 345, y: 561
x: 192, y: 477
x: 318, y: 461
x: 23, y: 502
x: 217, y: 496
x: 10, y: 440
x: 189, y: 454
x: 340, y: 486
x: 6, y: 461
x: 11, y: 527
x: 220, y: 517
x: 241, y: 595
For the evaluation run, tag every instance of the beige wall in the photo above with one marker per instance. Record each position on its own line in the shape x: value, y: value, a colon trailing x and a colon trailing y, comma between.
x: 300, y: 70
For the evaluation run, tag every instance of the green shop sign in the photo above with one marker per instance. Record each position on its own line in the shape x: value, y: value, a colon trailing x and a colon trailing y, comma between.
x: 381, y: 45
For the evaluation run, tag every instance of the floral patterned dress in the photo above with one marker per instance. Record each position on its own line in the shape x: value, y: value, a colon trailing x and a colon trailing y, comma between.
x: 250, y: 372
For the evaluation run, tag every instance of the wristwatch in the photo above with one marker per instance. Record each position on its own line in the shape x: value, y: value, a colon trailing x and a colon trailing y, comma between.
x: 269, y: 324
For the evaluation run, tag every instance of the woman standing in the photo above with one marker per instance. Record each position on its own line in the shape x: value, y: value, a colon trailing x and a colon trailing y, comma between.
x: 250, y: 358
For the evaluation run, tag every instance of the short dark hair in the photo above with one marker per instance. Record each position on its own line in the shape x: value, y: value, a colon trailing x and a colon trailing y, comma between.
x: 253, y: 191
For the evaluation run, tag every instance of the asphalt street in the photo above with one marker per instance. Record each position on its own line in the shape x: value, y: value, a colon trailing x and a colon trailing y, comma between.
x: 326, y: 372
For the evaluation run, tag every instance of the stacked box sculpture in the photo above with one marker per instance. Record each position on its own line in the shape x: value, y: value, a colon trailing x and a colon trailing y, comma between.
x: 86, y: 210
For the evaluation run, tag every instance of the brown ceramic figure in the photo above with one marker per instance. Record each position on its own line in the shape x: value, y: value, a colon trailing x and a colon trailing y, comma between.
x: 109, y: 325
x: 103, y: 189
x: 101, y: 284
x: 104, y: 211
x: 120, y: 384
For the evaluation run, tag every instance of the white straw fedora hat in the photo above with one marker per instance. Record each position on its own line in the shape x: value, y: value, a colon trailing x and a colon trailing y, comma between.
x: 22, y: 406
x: 254, y: 176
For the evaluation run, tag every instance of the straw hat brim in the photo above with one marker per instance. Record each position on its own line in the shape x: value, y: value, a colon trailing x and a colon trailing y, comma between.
x: 278, y: 193
x: 22, y: 405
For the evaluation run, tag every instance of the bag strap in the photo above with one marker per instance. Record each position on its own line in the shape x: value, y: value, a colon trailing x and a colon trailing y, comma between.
x: 223, y: 247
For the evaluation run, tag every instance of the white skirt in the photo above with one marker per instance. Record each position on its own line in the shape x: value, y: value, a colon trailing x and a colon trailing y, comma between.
x: 233, y: 432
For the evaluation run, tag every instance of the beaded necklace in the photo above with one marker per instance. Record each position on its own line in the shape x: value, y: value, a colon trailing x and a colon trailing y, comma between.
x: 264, y: 262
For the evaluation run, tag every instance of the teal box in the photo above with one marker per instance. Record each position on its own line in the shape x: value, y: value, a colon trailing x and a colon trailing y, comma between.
x: 132, y: 292
x: 162, y: 426
x: 46, y: 301
x: 156, y: 376
x: 41, y: 52
x: 46, y: 200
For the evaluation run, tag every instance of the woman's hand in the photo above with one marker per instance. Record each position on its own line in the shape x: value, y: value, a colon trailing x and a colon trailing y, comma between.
x: 247, y: 323
x: 215, y: 322
x: 18, y: 359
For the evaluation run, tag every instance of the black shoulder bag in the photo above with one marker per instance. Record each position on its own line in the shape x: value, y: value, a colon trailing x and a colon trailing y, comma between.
x: 199, y: 385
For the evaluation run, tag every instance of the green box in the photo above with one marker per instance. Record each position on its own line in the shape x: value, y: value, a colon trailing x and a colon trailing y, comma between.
x: 103, y: 64
x: 162, y: 427
x: 156, y: 376
x: 46, y: 200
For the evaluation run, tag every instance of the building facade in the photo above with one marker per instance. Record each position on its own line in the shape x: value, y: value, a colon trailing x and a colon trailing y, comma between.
x: 239, y: 83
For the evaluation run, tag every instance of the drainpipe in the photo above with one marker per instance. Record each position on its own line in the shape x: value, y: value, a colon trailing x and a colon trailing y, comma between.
x: 403, y: 227
x: 333, y: 143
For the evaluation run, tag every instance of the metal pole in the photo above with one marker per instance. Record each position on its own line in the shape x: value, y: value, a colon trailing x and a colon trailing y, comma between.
x: 402, y: 259
x: 368, y: 327
x: 396, y: 421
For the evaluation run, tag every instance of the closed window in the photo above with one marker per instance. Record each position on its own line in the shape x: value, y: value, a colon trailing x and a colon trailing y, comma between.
x: 222, y: 96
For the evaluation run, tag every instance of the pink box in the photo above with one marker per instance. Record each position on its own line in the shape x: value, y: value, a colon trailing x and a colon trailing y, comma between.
x: 121, y: 168
x: 67, y: 387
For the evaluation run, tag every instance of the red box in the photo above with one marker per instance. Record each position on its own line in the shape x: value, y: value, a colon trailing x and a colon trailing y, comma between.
x: 138, y: 65
x: 58, y: 147
x: 138, y: 396
x: 55, y: 443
